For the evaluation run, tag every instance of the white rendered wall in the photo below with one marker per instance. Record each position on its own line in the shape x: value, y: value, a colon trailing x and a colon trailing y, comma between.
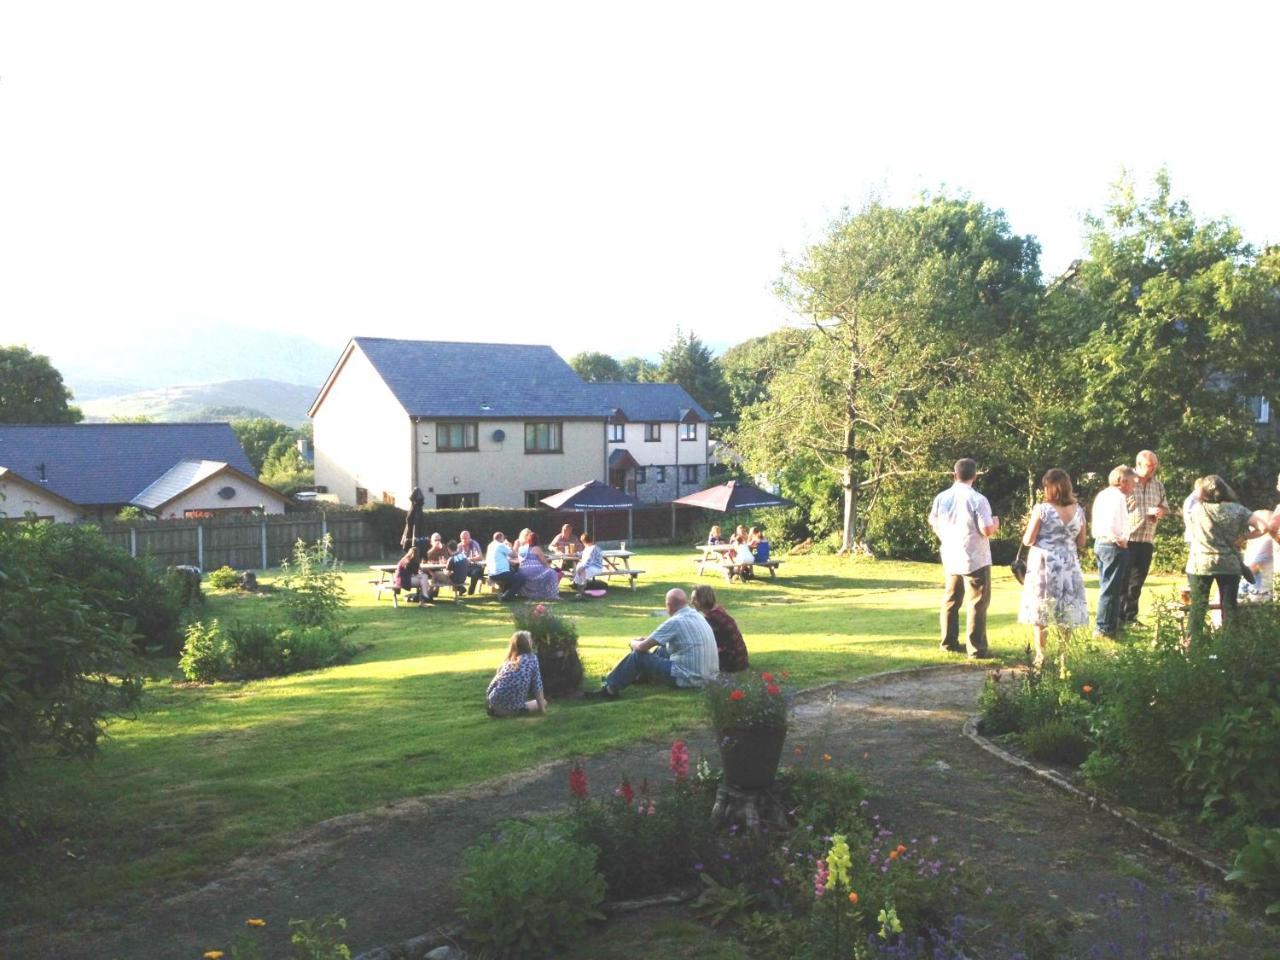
x: 20, y: 499
x: 205, y: 497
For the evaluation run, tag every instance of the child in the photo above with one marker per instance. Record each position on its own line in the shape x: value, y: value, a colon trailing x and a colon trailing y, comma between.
x: 759, y: 545
x: 590, y: 564
x: 714, y: 536
x: 741, y: 558
x: 517, y: 678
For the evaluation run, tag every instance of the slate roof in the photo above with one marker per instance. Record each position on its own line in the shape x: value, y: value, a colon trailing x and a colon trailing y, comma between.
x: 480, y: 380
x: 111, y: 463
x: 650, y: 402
x: 181, y: 476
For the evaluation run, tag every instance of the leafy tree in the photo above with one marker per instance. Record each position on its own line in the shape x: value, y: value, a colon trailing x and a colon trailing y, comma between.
x: 259, y: 436
x: 32, y: 391
x: 1187, y: 327
x: 639, y: 370
x: 750, y: 366
x: 595, y: 367
x: 285, y: 469
x: 690, y: 363
x: 903, y: 305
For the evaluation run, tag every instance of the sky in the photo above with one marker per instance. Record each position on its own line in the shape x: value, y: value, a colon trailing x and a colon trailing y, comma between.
x: 588, y: 175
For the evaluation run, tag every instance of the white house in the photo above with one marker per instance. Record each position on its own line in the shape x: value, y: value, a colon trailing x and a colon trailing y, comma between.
x: 67, y: 472
x: 494, y: 424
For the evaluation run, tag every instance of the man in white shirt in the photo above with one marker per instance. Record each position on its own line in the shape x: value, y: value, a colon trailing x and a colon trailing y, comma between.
x: 475, y: 557
x: 681, y: 652
x: 1112, y: 528
x: 961, y: 517
x: 497, y: 566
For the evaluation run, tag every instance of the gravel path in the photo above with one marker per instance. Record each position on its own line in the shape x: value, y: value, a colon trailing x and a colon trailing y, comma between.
x: 389, y: 871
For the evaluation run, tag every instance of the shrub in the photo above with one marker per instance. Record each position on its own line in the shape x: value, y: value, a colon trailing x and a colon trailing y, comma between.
x: 224, y: 578
x: 555, y: 640
x: 313, y: 593
x: 747, y: 701
x: 253, y: 649
x: 205, y: 655
x: 1057, y: 741
x: 1257, y: 865
x: 999, y: 706
x: 68, y: 663
x: 529, y: 891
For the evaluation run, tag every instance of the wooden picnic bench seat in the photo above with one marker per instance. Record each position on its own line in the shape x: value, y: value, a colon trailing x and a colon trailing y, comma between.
x: 619, y: 572
x: 727, y: 566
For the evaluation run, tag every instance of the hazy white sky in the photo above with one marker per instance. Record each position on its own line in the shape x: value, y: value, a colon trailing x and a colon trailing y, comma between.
x: 588, y: 175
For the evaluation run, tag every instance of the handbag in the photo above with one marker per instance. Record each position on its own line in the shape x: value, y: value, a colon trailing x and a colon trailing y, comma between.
x: 1019, y: 566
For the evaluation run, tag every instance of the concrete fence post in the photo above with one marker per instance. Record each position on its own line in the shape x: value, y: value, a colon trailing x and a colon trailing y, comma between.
x: 133, y: 541
x: 200, y: 546
x: 263, y: 528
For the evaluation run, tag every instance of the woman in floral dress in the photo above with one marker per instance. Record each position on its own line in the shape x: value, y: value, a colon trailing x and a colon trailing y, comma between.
x: 537, y: 579
x: 1053, y: 591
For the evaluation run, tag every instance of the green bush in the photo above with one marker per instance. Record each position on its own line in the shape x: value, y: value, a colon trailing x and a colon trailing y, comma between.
x: 224, y: 578
x: 1257, y: 865
x: 1057, y: 741
x: 68, y: 663
x: 528, y: 892
x: 205, y: 655
x: 555, y: 640
x: 311, y: 586
x: 999, y: 706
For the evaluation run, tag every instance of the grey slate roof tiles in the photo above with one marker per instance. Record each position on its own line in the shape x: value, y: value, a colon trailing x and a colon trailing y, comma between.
x: 652, y: 402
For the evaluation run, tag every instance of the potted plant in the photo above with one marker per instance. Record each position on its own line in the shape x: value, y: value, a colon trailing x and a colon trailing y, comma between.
x: 749, y: 714
x: 555, y: 640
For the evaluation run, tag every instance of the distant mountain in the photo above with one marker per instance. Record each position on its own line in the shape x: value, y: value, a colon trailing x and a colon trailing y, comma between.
x: 229, y: 400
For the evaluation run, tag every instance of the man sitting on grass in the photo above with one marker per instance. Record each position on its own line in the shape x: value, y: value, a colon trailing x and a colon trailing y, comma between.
x: 683, y: 652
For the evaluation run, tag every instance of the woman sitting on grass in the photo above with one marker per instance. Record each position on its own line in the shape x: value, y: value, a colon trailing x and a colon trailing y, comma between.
x: 518, y: 679
x: 729, y: 643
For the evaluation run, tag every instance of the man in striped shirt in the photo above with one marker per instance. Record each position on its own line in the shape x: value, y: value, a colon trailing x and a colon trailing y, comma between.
x: 680, y: 653
x: 1147, y: 507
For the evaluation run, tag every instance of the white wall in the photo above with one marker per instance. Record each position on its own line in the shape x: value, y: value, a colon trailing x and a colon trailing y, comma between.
x: 362, y: 436
x: 501, y: 472
x: 663, y: 452
x: 20, y: 499
x: 204, y: 496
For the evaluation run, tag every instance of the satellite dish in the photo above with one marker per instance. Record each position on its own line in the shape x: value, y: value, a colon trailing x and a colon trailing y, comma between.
x: 499, y: 436
x: 227, y: 493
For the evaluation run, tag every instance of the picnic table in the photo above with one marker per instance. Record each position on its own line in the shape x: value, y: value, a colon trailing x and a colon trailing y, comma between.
x: 386, y: 579
x: 716, y: 555
x: 617, y: 563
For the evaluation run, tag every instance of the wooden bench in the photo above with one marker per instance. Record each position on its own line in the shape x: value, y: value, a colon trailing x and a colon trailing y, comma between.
x: 727, y: 566
x: 619, y: 572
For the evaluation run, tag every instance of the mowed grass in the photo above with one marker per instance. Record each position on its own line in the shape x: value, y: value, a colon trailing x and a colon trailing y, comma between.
x: 204, y: 774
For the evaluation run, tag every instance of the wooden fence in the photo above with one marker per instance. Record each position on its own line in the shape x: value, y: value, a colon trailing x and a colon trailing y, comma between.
x: 259, y: 542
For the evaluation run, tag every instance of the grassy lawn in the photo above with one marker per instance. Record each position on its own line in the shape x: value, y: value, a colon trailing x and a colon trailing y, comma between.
x: 203, y: 774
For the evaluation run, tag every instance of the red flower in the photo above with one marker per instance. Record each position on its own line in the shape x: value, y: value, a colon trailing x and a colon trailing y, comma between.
x: 767, y: 677
x: 679, y: 759
x: 625, y: 792
x: 737, y: 695
x: 785, y: 674
x: 773, y: 689
x: 578, y: 781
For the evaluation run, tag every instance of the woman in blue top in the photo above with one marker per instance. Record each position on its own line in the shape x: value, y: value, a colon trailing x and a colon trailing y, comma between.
x: 517, y: 680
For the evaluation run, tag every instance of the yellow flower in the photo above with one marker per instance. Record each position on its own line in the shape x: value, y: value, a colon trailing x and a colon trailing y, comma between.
x: 213, y: 955
x: 826, y: 758
x: 839, y: 862
x: 255, y: 922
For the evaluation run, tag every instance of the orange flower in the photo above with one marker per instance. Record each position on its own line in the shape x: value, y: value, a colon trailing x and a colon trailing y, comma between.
x: 902, y: 848
x: 737, y: 695
x: 1087, y: 689
x: 255, y: 922
x: 853, y: 897
x: 826, y: 758
x: 213, y: 955
x: 798, y: 751
x: 894, y: 854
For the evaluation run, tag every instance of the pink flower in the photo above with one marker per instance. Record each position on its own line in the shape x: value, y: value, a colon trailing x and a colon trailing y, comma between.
x: 737, y: 695
x: 625, y: 792
x: 578, y: 781
x: 679, y: 759
x: 540, y: 609
x: 820, y: 879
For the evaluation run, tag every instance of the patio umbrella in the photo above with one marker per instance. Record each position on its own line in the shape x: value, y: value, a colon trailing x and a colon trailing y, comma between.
x: 733, y: 495
x: 591, y: 496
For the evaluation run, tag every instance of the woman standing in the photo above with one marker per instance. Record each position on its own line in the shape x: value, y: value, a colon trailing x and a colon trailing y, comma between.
x: 1053, y: 591
x: 1217, y: 525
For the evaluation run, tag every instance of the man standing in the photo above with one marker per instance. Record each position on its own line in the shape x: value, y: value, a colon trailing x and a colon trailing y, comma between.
x: 497, y: 566
x: 684, y: 652
x: 1111, y: 532
x: 1147, y: 507
x: 961, y: 518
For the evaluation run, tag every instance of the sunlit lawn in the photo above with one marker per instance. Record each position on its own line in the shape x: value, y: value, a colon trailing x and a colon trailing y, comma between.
x: 203, y: 774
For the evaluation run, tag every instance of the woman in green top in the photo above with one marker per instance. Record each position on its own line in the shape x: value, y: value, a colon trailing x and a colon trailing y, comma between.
x: 1217, y: 526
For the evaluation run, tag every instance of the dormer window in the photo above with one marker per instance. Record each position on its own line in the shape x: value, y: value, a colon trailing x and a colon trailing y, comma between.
x: 688, y: 431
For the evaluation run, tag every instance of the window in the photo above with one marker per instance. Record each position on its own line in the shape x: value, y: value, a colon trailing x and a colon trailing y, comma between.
x: 640, y: 475
x: 1261, y: 409
x: 362, y: 496
x: 689, y: 474
x: 456, y: 436
x: 617, y: 432
x: 659, y: 474
x: 533, y: 498
x: 457, y: 501
x: 542, y: 438
x: 652, y: 431
x: 688, y: 431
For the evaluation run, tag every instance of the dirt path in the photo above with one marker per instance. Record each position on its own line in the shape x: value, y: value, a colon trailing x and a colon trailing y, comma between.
x: 389, y: 871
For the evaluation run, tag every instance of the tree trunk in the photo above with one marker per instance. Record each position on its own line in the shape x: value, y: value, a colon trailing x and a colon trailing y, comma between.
x: 848, y: 477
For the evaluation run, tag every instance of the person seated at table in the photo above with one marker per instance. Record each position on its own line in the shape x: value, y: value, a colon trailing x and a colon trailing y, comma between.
x: 457, y: 568
x: 563, y: 541
x: 536, y: 579
x: 497, y: 566
x: 714, y: 536
x: 729, y: 643
x: 517, y: 686
x: 590, y: 564
x: 409, y: 576
x: 759, y: 545
x: 740, y: 558
x: 681, y: 652
x: 740, y: 531
x: 522, y: 544
x: 475, y: 555
x: 438, y: 552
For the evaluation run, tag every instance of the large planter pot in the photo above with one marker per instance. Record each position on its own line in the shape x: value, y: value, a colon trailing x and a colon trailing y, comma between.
x: 561, y: 671
x: 750, y: 755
